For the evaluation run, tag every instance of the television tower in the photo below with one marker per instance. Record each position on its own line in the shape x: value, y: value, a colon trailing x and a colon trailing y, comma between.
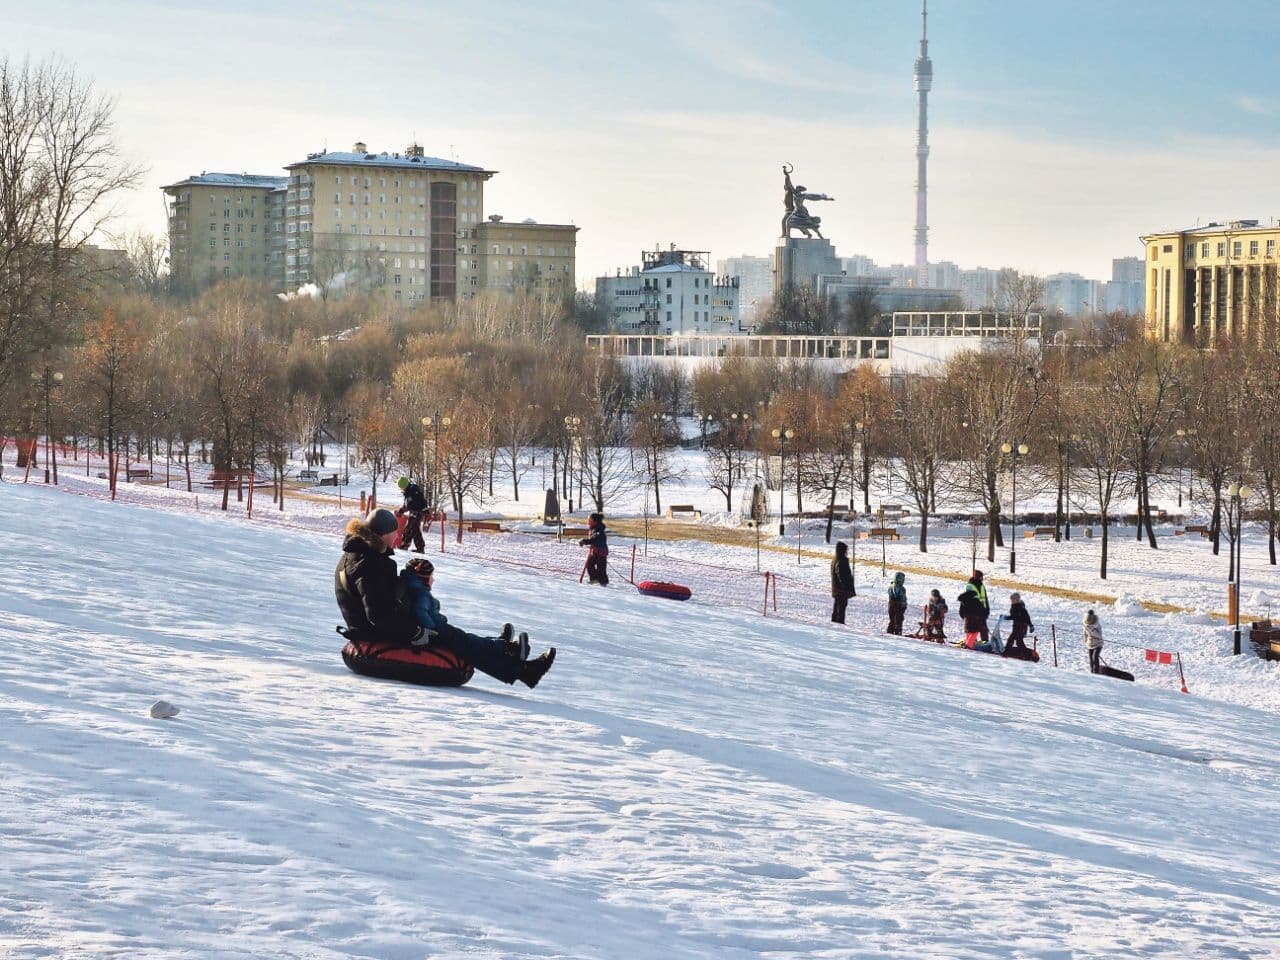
x: 924, y: 83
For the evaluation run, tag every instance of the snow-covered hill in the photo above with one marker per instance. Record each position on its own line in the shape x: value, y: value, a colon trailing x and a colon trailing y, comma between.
x: 689, y: 781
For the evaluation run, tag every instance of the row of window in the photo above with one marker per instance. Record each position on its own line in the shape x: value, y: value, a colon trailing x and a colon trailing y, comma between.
x: 1220, y: 249
x: 464, y: 185
x: 524, y: 252
x: 226, y: 228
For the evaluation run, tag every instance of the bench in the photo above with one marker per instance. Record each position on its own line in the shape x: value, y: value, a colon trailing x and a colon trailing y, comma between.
x: 579, y: 532
x: 893, y: 510
x: 882, y: 533
x: 308, y: 475
x: 328, y: 480
x: 683, y: 508
x: 1266, y: 638
x: 485, y: 526
x: 1039, y: 532
x: 139, y: 473
x: 1193, y: 528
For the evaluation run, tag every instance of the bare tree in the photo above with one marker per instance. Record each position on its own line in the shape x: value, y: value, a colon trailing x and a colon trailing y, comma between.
x: 1018, y: 294
x: 924, y: 441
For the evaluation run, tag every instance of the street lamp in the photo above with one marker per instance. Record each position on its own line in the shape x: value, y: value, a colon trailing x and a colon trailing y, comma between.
x: 705, y: 421
x: 782, y: 435
x: 436, y: 423
x: 1008, y: 450
x: 1239, y: 493
x: 572, y: 426
x: 48, y: 380
x: 1074, y: 438
x: 1182, y: 437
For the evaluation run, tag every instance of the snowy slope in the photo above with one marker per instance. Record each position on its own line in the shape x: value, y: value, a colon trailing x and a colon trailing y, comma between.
x: 688, y: 781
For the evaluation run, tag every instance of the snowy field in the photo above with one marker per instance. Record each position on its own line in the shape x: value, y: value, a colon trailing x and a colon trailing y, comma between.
x: 690, y: 780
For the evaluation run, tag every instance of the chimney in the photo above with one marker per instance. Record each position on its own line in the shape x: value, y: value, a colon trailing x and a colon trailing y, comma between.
x: 359, y: 147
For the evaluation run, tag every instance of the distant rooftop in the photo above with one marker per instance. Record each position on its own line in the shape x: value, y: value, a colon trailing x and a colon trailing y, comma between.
x: 232, y: 180
x: 412, y: 158
x: 496, y: 220
x: 1218, y: 227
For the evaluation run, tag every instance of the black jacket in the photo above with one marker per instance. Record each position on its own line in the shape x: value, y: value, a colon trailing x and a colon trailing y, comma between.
x: 1018, y: 614
x: 841, y: 575
x: 414, y: 501
x: 597, y: 540
x: 368, y: 589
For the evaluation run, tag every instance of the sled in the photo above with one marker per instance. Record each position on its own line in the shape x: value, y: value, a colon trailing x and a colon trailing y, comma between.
x: 669, y: 591
x: 1107, y: 671
x: 426, y: 666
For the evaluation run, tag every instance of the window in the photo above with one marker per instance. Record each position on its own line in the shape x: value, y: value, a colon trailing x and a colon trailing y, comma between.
x: 1204, y: 251
x: 1271, y: 248
x: 695, y: 296
x: 213, y: 243
x: 1253, y: 248
x: 668, y: 287
x: 1237, y: 247
x: 397, y: 280
x: 668, y: 316
x: 668, y: 295
x: 495, y: 248
x: 1222, y: 249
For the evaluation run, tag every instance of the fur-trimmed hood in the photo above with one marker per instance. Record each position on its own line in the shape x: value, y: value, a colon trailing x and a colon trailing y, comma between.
x: 360, y: 531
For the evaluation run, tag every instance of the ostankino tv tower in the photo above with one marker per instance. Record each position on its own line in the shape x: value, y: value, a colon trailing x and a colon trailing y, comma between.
x: 924, y: 82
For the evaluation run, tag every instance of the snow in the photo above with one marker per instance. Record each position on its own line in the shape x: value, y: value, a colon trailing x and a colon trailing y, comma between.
x: 690, y: 780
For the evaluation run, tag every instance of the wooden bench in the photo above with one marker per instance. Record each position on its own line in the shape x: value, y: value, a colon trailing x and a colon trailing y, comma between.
x: 1194, y: 528
x: 308, y: 474
x: 485, y: 526
x: 1039, y: 532
x: 881, y: 533
x: 895, y: 510
x: 139, y: 473
x: 683, y: 508
x: 579, y: 532
x: 1266, y: 638
x: 327, y: 480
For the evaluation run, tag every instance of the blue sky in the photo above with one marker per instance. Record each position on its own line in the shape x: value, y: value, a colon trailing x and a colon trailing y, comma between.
x: 1059, y: 132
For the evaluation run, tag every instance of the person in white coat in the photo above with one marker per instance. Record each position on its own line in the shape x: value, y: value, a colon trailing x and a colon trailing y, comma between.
x: 1093, y: 641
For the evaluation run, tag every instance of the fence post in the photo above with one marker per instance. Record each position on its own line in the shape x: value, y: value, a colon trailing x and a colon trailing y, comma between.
x: 362, y: 509
x: 774, y: 579
x: 633, y: 564
x: 1181, y: 675
x: 441, y: 531
x: 765, y: 612
x: 1053, y: 631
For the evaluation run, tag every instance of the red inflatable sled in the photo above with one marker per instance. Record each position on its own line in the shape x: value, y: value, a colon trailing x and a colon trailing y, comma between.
x: 427, y: 666
x: 670, y: 591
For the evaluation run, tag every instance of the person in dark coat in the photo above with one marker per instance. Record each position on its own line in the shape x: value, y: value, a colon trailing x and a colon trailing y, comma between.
x: 974, y: 609
x: 897, y: 603
x: 1022, y: 624
x: 415, y: 505
x: 501, y: 657
x: 935, y: 615
x: 842, y: 584
x: 598, y: 555
x: 366, y: 584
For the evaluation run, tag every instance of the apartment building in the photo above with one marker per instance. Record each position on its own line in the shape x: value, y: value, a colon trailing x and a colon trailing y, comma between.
x: 672, y: 292
x: 220, y: 227
x: 401, y: 222
x: 527, y: 255
x: 1214, y: 282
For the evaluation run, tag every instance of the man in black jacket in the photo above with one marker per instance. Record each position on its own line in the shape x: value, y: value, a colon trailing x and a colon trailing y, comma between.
x: 415, y: 505
x: 842, y: 584
x: 974, y: 607
x: 367, y: 585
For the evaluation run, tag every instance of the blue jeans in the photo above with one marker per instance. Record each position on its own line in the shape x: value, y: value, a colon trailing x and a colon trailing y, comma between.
x: 487, y: 654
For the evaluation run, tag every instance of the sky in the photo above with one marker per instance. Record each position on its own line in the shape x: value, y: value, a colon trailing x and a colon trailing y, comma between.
x: 1059, y: 133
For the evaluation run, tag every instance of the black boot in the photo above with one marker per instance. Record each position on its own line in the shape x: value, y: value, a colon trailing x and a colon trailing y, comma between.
x: 535, y: 668
x: 517, y: 647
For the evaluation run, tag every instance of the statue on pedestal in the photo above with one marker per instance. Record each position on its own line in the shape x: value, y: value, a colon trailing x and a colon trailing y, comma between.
x: 798, y: 216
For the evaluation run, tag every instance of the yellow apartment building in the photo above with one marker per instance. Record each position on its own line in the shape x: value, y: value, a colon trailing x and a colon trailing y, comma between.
x: 527, y: 256
x: 1213, y: 283
x: 404, y: 223
x: 220, y: 227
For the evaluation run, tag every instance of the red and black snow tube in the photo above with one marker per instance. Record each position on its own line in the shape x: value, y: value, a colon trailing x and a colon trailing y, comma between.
x: 428, y: 666
x: 658, y: 588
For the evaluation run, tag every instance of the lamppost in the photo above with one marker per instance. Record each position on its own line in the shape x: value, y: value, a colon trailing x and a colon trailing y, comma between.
x: 48, y: 380
x: 1014, y: 453
x: 705, y: 421
x: 1182, y: 437
x: 782, y: 435
x: 436, y: 423
x: 1239, y: 493
x: 742, y: 431
x: 572, y: 426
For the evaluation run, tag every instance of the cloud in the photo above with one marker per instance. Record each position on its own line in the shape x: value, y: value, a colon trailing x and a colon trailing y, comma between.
x: 1255, y: 105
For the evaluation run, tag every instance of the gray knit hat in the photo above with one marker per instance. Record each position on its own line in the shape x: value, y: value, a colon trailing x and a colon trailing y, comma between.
x: 381, y: 521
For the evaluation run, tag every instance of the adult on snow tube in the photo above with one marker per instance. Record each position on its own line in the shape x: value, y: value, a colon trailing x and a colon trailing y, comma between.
x: 384, y: 639
x: 657, y: 588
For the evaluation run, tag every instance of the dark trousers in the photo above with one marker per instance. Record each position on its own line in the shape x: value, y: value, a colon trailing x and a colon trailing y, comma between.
x: 933, y: 630
x: 1017, y: 638
x: 487, y: 654
x: 598, y: 569
x: 413, y: 533
x: 1095, y: 660
x: 897, y: 610
x: 839, y: 604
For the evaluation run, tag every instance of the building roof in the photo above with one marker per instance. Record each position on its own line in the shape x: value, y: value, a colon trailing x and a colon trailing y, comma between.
x: 1229, y: 226
x: 491, y: 223
x: 677, y: 268
x: 232, y: 180
x: 384, y: 159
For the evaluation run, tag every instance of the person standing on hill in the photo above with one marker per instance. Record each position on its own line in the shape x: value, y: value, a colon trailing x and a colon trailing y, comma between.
x: 897, y: 603
x: 935, y: 616
x: 1093, y: 641
x: 415, y: 505
x: 1021, y: 621
x: 974, y: 608
x: 597, y: 540
x: 842, y: 583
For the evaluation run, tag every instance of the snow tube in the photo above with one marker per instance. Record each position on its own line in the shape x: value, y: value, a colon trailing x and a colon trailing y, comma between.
x: 657, y: 588
x: 1025, y: 654
x: 428, y: 666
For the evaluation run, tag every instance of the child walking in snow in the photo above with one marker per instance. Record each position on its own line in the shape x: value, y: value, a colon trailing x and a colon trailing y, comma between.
x: 897, y: 603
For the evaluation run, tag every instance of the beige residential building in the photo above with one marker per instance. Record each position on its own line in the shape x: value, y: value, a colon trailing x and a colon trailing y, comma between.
x: 219, y: 227
x: 1213, y: 282
x: 528, y: 255
x: 405, y: 223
